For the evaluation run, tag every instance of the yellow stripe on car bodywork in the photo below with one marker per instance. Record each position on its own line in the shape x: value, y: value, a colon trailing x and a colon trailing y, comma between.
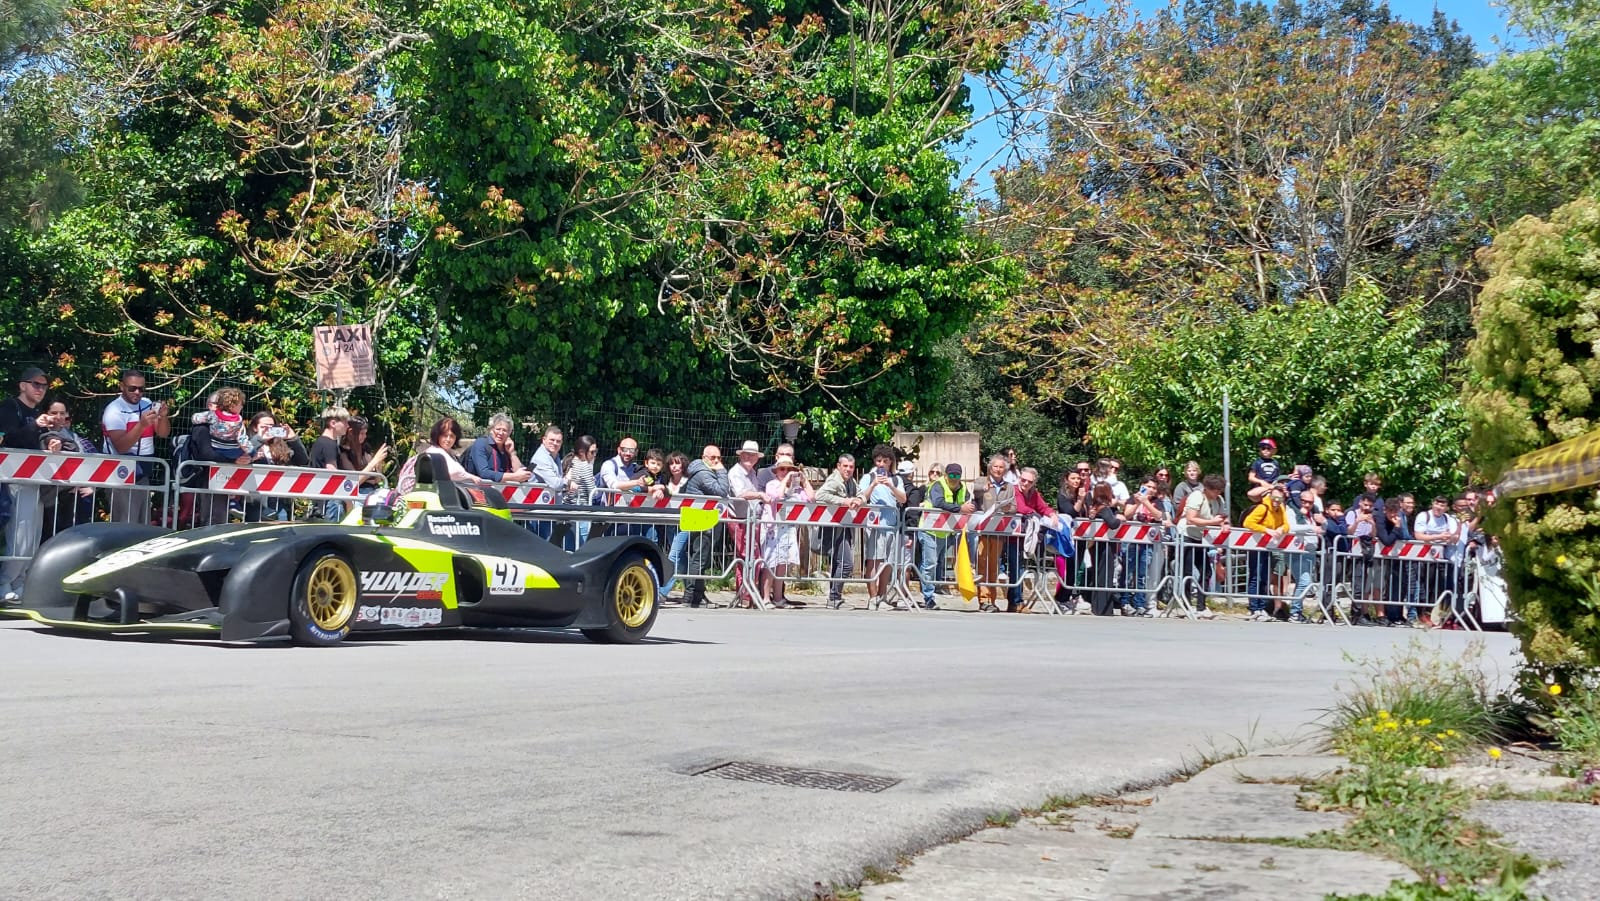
x: 40, y: 618
x: 131, y: 556
x: 533, y: 576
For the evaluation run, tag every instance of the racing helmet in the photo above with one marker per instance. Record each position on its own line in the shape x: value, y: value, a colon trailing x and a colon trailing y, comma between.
x: 380, y: 506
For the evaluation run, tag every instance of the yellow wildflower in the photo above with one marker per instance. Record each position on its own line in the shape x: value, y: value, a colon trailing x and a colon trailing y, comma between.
x: 1436, y: 746
x: 1561, y: 560
x: 1424, y: 722
x: 1495, y: 753
x: 1555, y: 689
x: 1450, y: 732
x: 1383, y: 714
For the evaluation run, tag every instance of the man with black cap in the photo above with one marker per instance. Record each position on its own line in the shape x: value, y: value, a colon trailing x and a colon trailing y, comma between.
x: 21, y: 421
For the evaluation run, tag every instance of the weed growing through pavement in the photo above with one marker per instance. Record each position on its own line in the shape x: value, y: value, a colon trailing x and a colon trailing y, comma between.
x: 1576, y: 725
x: 1452, y: 694
x: 1422, y: 824
x: 1385, y: 738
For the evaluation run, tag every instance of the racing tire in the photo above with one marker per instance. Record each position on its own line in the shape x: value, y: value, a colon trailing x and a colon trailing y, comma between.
x: 323, y: 601
x: 630, y: 603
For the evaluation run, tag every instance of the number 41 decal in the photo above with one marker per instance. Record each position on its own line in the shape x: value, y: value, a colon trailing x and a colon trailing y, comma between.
x: 506, y: 576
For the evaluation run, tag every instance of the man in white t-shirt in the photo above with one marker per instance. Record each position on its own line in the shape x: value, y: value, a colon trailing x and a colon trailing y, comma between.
x: 131, y: 424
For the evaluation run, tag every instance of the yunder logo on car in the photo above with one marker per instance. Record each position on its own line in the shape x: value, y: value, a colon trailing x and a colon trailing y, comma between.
x: 425, y: 586
x: 450, y: 527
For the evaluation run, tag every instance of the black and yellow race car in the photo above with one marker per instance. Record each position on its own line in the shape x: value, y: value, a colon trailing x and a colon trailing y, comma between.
x: 442, y: 556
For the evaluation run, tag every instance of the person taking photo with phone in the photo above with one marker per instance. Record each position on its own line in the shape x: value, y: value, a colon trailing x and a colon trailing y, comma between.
x: 132, y: 422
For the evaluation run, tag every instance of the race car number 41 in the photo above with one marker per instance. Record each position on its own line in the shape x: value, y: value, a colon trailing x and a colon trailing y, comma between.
x: 506, y: 576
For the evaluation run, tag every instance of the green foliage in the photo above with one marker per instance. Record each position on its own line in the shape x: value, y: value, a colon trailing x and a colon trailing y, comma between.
x: 1422, y: 824
x: 1347, y: 387
x: 1419, y: 693
x: 977, y: 398
x: 1402, y: 741
x: 1533, y: 382
x: 1523, y: 136
x: 724, y: 207
x: 1214, y: 157
x: 1576, y: 724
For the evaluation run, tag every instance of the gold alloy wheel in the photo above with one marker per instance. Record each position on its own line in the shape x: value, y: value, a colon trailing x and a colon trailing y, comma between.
x: 636, y: 594
x: 331, y: 594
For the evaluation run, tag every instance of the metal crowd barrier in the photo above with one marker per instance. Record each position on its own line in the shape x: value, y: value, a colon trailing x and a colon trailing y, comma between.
x: 52, y: 491
x: 1407, y: 579
x: 48, y: 492
x: 842, y: 547
x: 538, y: 505
x: 208, y: 494
x: 1112, y: 564
x: 1269, y: 573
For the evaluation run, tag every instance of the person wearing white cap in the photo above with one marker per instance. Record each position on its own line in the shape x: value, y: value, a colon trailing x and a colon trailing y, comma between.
x: 742, y: 485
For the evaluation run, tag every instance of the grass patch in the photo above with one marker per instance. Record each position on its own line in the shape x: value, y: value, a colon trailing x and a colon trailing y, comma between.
x: 1423, y: 825
x: 1450, y: 694
x: 1002, y: 819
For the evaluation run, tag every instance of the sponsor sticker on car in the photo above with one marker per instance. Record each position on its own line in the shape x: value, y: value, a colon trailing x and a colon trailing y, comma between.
x: 423, y: 586
x: 450, y: 527
x: 404, y: 617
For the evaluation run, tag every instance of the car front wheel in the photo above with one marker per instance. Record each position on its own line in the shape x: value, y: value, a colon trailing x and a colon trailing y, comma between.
x: 324, y: 599
x: 630, y: 603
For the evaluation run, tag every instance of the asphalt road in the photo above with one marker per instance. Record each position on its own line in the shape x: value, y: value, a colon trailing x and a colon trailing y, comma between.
x: 542, y: 766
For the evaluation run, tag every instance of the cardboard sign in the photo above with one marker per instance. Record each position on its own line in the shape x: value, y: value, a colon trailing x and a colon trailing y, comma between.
x: 344, y: 356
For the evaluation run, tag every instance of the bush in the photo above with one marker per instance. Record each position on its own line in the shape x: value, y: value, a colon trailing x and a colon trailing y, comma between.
x: 1535, y: 382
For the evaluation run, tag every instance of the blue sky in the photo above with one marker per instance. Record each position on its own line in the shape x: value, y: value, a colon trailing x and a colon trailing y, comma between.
x: 1484, y: 23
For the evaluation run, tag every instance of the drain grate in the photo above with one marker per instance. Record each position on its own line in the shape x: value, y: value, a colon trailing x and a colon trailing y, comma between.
x: 745, y: 771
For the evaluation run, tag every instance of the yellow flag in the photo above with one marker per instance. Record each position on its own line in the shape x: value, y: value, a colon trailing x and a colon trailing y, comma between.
x: 692, y: 520
x: 965, y: 582
x: 1560, y: 467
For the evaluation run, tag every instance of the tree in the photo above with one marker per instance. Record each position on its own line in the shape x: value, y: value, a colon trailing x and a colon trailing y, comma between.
x: 1217, y: 159
x: 724, y: 204
x: 1348, y: 387
x: 1534, y: 382
x: 1523, y: 137
x: 241, y: 167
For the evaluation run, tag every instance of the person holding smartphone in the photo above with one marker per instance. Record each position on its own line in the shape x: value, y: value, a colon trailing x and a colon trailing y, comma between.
x: 132, y: 422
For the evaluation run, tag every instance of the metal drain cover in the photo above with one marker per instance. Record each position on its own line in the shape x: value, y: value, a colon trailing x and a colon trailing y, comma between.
x: 745, y: 771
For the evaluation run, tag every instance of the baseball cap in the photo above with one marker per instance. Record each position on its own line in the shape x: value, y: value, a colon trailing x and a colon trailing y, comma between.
x: 1303, y: 471
x: 31, y: 373
x: 906, y: 468
x: 1267, y: 442
x: 954, y: 469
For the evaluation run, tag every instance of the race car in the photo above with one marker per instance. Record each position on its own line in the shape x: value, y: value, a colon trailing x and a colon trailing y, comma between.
x: 443, y: 556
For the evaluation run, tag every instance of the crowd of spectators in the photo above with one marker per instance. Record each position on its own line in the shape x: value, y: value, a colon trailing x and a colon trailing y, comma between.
x: 1103, y: 577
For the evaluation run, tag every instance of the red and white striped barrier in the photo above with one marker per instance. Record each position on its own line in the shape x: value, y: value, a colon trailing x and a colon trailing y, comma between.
x: 649, y: 502
x: 79, y: 470
x: 1251, y: 540
x: 1411, y: 550
x: 983, y: 524
x: 829, y: 515
x: 283, y: 482
x: 1133, y: 532
x: 526, y: 494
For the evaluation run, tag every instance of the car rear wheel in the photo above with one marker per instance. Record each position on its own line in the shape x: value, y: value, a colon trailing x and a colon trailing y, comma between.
x: 630, y: 603
x: 324, y: 599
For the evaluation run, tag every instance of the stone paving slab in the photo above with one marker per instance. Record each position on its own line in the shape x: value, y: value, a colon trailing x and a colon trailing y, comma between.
x: 1219, y: 809
x: 1551, y: 831
x: 1270, y: 769
x: 1176, y: 870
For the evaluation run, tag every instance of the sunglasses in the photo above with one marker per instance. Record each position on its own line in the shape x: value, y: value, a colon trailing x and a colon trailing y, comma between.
x: 37, y: 384
x: 137, y: 389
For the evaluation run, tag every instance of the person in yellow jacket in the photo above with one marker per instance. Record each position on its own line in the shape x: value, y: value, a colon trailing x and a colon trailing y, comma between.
x: 1270, y: 517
